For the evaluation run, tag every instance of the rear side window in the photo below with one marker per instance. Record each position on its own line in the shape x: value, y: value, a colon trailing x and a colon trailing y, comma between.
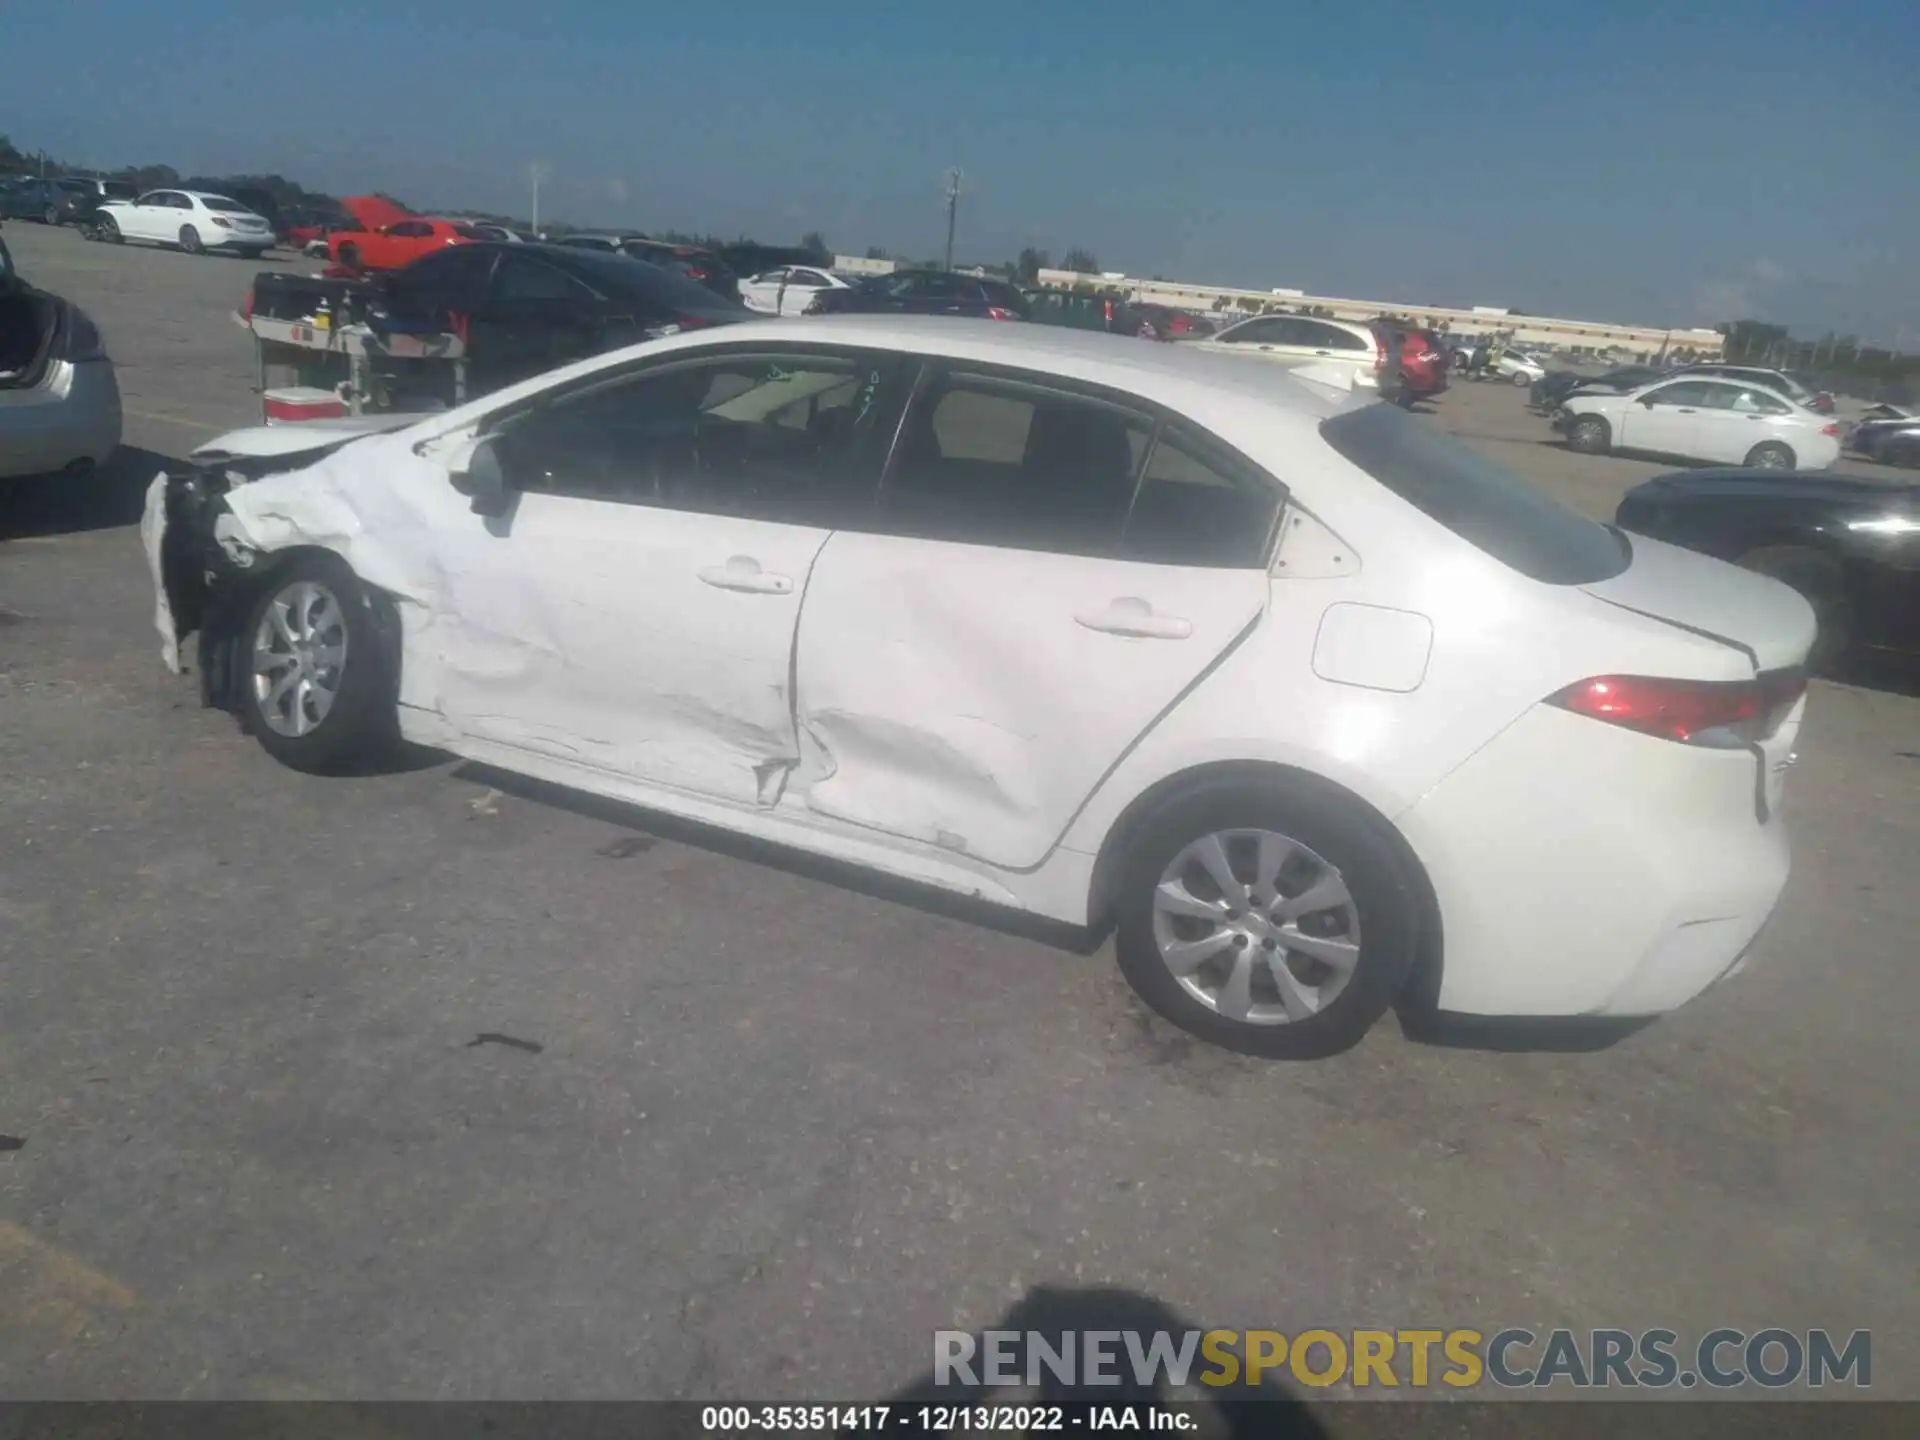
x: 1483, y: 503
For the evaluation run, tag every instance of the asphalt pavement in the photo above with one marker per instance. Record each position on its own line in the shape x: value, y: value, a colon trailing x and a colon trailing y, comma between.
x: 433, y: 1085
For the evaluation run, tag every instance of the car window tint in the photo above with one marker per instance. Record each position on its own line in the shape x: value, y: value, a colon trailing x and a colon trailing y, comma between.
x: 523, y: 278
x: 461, y: 269
x: 409, y: 229
x: 770, y: 436
x: 1477, y: 499
x: 1255, y: 332
x: 1696, y: 393
x: 1198, y: 507
x: 987, y: 461
x: 1332, y: 337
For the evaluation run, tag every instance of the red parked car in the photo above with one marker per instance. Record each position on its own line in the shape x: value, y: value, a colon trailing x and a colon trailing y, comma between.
x: 1171, y: 324
x: 391, y: 246
x: 1424, y: 365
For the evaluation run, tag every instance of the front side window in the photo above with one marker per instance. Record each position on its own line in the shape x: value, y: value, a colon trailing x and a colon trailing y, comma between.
x: 410, y: 229
x: 984, y: 460
x: 791, y: 437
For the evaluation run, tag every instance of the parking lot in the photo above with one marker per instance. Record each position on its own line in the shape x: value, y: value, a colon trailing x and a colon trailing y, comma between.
x: 418, y: 1085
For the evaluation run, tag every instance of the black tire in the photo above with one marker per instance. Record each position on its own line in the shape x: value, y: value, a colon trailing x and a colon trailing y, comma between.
x: 350, y: 256
x: 51, y: 216
x: 1823, y: 585
x: 1339, y: 833
x: 1590, y: 435
x: 1520, y: 377
x: 190, y: 241
x: 1770, y: 455
x: 361, y: 723
x: 1404, y: 395
x: 109, y: 230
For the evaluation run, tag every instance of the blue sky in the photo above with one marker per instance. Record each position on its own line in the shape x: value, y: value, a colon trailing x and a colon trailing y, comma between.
x: 1649, y: 162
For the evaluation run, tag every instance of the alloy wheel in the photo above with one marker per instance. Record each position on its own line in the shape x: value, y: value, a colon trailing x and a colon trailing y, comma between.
x: 1256, y: 926
x: 299, y: 658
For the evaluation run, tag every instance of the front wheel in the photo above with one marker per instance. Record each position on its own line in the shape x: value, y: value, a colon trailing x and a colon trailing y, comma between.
x: 1590, y: 435
x: 1522, y: 378
x: 1273, y: 919
x: 1770, y: 455
x: 51, y: 216
x: 319, y: 693
x: 190, y: 240
x: 107, y: 229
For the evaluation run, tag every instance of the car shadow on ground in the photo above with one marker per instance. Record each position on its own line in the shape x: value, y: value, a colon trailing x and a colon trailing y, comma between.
x: 1419, y: 1020
x: 1078, y: 940
x: 37, y: 506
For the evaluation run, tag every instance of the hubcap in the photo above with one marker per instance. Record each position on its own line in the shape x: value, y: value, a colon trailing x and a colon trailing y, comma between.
x: 299, y: 655
x: 1256, y: 926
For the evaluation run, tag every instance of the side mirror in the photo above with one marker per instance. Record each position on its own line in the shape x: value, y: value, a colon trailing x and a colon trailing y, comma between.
x: 1647, y: 400
x: 481, y: 476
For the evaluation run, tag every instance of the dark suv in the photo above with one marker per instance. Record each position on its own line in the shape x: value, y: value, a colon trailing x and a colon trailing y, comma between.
x: 63, y: 201
x: 925, y: 292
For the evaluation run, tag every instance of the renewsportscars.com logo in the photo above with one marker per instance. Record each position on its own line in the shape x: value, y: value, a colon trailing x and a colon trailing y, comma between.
x: 1460, y: 1359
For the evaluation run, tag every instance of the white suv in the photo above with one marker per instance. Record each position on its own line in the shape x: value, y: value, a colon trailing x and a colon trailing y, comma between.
x: 1318, y: 707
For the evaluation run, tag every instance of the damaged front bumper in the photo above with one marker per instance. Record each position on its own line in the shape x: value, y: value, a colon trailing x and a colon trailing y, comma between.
x: 206, y: 577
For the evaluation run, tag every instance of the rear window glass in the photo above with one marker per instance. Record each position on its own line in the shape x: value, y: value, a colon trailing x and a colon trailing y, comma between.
x: 1483, y: 503
x: 221, y: 205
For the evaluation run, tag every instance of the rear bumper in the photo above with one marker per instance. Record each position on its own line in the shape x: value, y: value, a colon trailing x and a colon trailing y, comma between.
x: 73, y: 415
x: 238, y: 240
x: 1583, y: 869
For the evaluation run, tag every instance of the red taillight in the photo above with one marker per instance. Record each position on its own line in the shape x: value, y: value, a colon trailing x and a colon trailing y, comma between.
x: 1379, y: 356
x: 1719, y: 714
x: 1833, y: 430
x: 994, y: 312
x: 695, y: 273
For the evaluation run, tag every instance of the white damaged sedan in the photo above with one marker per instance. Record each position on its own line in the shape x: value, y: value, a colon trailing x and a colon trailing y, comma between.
x: 1320, y: 709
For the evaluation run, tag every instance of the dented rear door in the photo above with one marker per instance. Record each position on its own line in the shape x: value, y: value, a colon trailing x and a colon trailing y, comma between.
x: 966, y: 679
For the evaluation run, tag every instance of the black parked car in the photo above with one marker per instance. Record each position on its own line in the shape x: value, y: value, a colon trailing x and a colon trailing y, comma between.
x: 527, y: 308
x: 925, y: 292
x: 1549, y: 390
x: 1851, y: 547
x: 62, y: 201
x: 1891, y: 442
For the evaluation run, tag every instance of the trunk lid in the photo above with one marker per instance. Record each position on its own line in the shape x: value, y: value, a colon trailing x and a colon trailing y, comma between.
x: 1766, y: 620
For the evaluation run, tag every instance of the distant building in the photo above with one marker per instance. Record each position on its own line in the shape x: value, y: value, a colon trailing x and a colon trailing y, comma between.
x: 1640, y: 341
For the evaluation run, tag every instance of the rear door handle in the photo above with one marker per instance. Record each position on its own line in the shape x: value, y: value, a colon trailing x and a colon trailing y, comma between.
x: 1130, y: 615
x: 743, y: 573
x: 1323, y: 352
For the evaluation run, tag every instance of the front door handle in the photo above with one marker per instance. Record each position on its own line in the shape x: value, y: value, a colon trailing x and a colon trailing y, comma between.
x: 1684, y: 410
x: 743, y: 573
x: 1323, y: 352
x: 1130, y: 615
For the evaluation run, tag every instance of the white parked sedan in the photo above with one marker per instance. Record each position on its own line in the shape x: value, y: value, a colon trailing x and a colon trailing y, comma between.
x: 1727, y: 421
x: 788, y: 290
x: 1520, y: 367
x: 1329, y: 346
x: 1319, y: 707
x: 189, y: 219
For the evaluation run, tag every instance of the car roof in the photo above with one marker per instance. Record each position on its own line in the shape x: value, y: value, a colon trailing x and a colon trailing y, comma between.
x: 1176, y: 375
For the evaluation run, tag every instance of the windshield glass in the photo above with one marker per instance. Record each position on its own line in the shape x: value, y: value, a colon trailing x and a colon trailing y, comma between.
x: 623, y: 274
x: 1480, y: 501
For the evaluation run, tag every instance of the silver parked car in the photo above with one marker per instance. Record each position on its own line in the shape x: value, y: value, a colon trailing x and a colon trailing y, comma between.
x: 59, y: 401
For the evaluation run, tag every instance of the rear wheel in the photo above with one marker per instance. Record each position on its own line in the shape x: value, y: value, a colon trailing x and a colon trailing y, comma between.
x: 1273, y: 919
x: 1822, y: 584
x: 350, y: 256
x: 319, y: 693
x: 190, y: 240
x: 1520, y: 377
x: 108, y: 229
x: 51, y: 215
x: 1590, y: 435
x: 1770, y: 455
x: 1404, y: 395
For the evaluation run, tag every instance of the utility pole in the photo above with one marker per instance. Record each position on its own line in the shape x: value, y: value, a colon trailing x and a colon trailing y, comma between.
x: 536, y: 172
x: 953, y: 209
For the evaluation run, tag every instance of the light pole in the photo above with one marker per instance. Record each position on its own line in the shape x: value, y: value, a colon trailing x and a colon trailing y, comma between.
x: 953, y: 209
x: 536, y: 172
